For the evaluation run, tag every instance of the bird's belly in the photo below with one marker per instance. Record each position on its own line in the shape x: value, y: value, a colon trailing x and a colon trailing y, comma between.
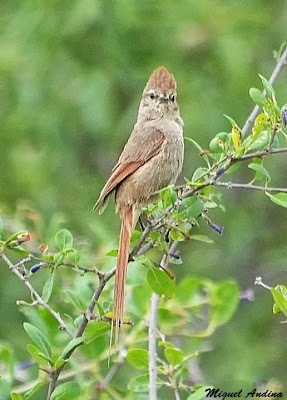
x: 160, y: 171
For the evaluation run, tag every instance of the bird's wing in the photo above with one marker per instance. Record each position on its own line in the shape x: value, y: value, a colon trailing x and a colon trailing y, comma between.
x: 140, y: 148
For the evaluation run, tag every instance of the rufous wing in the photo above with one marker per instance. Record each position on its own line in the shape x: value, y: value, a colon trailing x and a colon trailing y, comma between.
x: 129, y: 161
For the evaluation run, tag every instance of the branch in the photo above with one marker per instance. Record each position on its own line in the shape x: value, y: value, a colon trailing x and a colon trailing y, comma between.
x: 231, y: 185
x: 54, y: 376
x: 214, y: 179
x: 143, y: 237
x: 280, y: 64
x: 261, y: 153
x: 176, y: 394
x: 152, y: 347
x: 112, y: 372
x: 74, y: 266
x: 152, y: 332
x: 36, y: 295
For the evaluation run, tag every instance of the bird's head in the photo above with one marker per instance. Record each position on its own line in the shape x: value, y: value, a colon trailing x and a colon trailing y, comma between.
x: 159, y: 95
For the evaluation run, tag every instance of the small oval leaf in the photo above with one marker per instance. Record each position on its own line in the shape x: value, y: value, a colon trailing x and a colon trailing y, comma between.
x: 38, y: 338
x: 48, y: 288
x: 66, y: 391
x: 280, y: 199
x: 257, y: 97
x: 173, y: 355
x: 64, y: 239
x: 141, y: 383
x: 160, y: 283
x: 138, y: 358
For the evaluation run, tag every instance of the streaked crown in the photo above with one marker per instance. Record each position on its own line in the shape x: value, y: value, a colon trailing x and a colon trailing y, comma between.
x: 161, y: 80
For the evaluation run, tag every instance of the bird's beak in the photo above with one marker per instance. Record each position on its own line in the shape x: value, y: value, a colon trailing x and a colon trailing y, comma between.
x: 163, y: 99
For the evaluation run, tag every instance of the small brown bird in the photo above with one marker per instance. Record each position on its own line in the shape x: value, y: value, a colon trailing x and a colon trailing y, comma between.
x: 151, y: 160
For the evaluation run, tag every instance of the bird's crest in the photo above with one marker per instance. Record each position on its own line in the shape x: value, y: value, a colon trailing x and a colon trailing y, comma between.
x: 161, y: 80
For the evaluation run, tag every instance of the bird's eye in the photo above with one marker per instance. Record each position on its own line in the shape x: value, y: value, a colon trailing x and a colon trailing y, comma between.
x: 152, y: 95
x: 172, y: 97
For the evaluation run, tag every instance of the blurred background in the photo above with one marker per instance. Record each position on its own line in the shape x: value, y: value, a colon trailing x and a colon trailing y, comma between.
x: 71, y: 77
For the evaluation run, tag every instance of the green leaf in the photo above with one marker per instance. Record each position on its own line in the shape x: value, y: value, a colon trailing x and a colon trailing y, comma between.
x: 199, y: 394
x: 190, y: 357
x: 217, y: 144
x: 5, y: 389
x: 7, y: 360
x: 59, y: 258
x: 64, y: 240
x: 166, y: 345
x: 174, y: 356
x: 38, y: 338
x: 260, y: 142
x: 71, y: 345
x: 74, y: 257
x: 66, y: 391
x: 138, y: 358
x: 74, y: 299
x: 191, y: 207
x: 160, y: 283
x: 48, y: 288
x: 16, y: 396
x: 1, y: 225
x: 33, y: 390
x: 210, y: 204
x: 112, y: 253
x: 198, y: 148
x: 231, y: 120
x: 268, y: 87
x: 224, y: 302
x: 201, y: 238
x: 233, y: 168
x: 261, y: 170
x: 100, y: 309
x: 20, y: 250
x: 280, y: 298
x: 280, y: 198
x: 35, y: 354
x: 15, y: 236
x: 198, y: 173
x: 96, y: 329
x: 188, y: 290
x: 257, y: 97
x: 141, y: 383
x: 168, y: 197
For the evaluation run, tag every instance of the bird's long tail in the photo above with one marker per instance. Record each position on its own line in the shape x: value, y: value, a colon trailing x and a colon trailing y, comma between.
x: 122, y: 264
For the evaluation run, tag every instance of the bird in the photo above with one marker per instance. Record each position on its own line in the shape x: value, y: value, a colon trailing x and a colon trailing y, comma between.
x: 151, y: 160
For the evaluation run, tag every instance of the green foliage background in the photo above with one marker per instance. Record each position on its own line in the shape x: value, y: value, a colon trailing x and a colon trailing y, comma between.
x: 71, y: 77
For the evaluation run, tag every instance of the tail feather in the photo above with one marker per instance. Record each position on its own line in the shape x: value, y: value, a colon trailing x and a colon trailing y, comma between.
x: 122, y: 264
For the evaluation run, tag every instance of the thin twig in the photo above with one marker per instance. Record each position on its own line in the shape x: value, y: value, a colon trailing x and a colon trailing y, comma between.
x: 261, y: 153
x: 38, y: 298
x: 74, y: 266
x: 86, y: 318
x: 143, y: 237
x: 212, y: 180
x: 176, y: 394
x: 232, y: 185
x: 152, y: 332
x: 280, y: 64
x: 112, y: 372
